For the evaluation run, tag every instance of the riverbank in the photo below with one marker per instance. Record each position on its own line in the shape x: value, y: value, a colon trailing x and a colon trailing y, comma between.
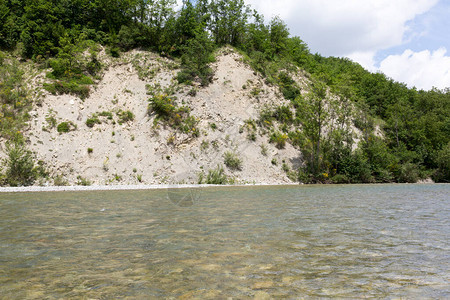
x: 78, y: 188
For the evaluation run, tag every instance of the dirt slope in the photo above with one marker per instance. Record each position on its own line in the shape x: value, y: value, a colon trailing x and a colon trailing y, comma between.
x: 137, y: 151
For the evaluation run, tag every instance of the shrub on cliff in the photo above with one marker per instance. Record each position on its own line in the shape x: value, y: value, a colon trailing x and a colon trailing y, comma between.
x: 232, y: 161
x: 20, y: 169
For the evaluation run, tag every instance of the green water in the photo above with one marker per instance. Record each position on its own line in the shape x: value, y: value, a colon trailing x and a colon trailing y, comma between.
x: 241, y: 242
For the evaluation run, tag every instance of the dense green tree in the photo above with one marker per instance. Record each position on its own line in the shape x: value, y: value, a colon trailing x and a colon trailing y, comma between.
x: 228, y: 21
x: 195, y: 60
x: 314, y: 116
x: 279, y: 34
x: 298, y: 51
x: 257, y: 36
x: 442, y: 174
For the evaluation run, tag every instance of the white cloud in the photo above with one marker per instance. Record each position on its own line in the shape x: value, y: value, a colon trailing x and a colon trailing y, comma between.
x: 365, y: 59
x: 345, y: 27
x: 358, y: 29
x: 423, y: 69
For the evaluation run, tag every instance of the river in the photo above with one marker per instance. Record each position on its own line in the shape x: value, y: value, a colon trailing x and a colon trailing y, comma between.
x: 377, y: 241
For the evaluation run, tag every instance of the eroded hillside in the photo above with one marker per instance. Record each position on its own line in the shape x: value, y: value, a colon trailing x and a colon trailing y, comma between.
x: 125, y: 144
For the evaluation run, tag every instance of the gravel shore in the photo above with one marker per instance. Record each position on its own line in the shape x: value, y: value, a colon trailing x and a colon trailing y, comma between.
x: 78, y: 188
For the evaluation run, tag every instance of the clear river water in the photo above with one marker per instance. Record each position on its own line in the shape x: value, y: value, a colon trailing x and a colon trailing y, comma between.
x: 352, y: 241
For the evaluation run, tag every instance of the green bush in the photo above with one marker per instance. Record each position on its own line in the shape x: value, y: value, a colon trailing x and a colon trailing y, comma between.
x: 232, y: 161
x: 163, y: 106
x: 255, y: 92
x: 189, y: 126
x: 62, y: 87
x: 59, y: 180
x: 383, y: 175
x: 2, y: 57
x: 70, y: 71
x: 340, y: 178
x: 217, y: 176
x: 185, y: 76
x: 107, y: 114
x: 305, y: 177
x: 279, y: 139
x: 83, y: 181
x: 20, y: 170
x: 265, y: 117
x: 94, y: 65
x: 125, y: 116
x: 114, y: 52
x: 297, y: 138
x: 15, y: 101
x: 355, y: 167
x: 442, y: 174
x: 408, y: 173
x: 127, y: 37
x: 177, y: 117
x: 62, y: 67
x: 2, y: 177
x: 65, y: 127
x: 92, y: 121
x: 283, y: 114
x: 288, y: 86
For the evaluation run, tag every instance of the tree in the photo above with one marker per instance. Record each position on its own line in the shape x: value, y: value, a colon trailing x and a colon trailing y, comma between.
x: 442, y: 174
x: 298, y: 51
x: 279, y: 34
x: 195, y: 59
x: 313, y: 116
x: 257, y: 35
x: 340, y: 134
x: 188, y: 23
x: 228, y: 21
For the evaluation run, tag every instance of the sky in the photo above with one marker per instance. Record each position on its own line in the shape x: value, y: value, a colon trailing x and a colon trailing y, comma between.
x: 408, y: 40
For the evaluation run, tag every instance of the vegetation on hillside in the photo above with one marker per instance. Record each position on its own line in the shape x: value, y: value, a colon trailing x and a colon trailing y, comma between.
x: 413, y: 126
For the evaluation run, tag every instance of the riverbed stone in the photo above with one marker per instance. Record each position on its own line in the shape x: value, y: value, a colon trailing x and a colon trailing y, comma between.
x: 262, y: 285
x: 261, y: 295
x: 287, y: 279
